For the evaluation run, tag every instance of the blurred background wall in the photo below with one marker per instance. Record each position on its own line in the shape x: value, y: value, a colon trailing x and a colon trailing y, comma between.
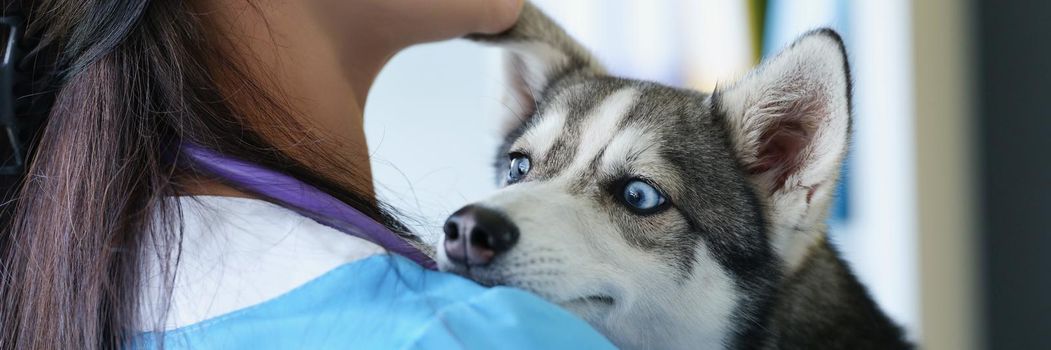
x: 945, y: 162
x: 926, y: 211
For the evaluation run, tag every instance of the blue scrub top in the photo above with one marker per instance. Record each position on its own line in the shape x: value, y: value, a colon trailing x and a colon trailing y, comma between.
x: 389, y: 302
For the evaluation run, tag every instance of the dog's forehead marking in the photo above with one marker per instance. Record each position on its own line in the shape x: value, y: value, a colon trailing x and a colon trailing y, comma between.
x: 543, y: 135
x: 629, y: 145
x: 601, y: 127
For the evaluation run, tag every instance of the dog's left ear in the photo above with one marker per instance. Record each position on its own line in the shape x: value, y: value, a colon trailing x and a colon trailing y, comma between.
x: 539, y: 52
x: 789, y: 122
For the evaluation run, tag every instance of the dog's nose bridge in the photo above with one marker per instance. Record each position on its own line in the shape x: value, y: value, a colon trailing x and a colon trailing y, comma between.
x: 524, y: 196
x: 533, y: 205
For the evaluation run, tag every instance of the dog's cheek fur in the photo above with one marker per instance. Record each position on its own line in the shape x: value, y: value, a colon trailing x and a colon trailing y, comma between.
x: 582, y: 253
x: 694, y: 293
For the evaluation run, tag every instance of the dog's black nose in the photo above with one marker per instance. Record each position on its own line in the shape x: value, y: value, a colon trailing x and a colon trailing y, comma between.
x: 475, y: 235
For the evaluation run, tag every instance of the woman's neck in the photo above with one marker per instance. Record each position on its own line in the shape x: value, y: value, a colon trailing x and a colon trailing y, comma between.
x: 287, y: 49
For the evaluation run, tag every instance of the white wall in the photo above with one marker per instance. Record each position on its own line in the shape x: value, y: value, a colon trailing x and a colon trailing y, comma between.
x: 431, y: 122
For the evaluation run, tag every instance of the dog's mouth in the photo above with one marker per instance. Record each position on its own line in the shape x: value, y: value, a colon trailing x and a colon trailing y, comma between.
x: 482, y: 277
x: 598, y: 299
x: 590, y: 307
x: 590, y: 301
x: 586, y: 300
x: 490, y: 278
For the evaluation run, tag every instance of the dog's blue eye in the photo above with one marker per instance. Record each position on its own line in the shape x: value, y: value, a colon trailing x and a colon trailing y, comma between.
x: 519, y: 167
x: 642, y: 197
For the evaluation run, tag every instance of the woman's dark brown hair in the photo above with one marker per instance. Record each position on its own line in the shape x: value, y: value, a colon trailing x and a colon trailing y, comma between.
x: 130, y: 80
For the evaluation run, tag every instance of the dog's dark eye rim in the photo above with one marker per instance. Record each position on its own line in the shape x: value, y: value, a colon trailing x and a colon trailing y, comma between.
x: 620, y: 185
x: 511, y: 157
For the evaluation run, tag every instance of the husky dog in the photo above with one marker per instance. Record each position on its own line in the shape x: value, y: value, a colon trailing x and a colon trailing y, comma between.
x: 670, y: 218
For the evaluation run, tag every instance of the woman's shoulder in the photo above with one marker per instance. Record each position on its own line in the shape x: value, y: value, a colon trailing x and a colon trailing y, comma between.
x: 387, y: 301
x: 232, y: 253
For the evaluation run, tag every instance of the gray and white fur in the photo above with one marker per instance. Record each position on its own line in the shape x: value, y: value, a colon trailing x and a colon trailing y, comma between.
x: 737, y: 257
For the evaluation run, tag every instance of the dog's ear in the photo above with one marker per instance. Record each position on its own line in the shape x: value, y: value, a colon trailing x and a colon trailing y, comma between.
x: 538, y: 52
x: 789, y: 122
